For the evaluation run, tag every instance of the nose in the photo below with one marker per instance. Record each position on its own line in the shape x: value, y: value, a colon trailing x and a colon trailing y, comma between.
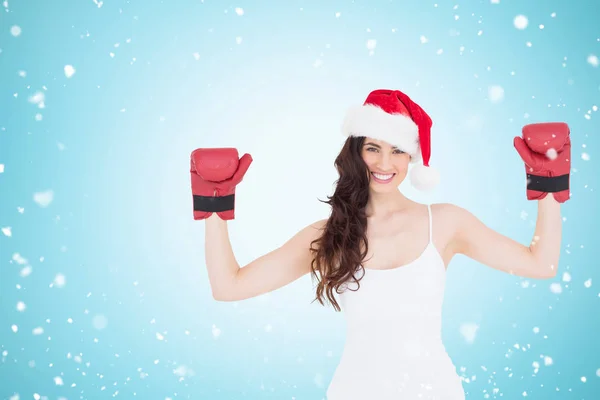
x: 385, y: 161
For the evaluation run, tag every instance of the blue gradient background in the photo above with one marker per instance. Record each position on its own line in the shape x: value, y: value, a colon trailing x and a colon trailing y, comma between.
x: 113, y: 148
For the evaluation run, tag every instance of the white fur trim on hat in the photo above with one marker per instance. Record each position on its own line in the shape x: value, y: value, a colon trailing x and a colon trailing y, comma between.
x: 424, y: 178
x: 396, y: 129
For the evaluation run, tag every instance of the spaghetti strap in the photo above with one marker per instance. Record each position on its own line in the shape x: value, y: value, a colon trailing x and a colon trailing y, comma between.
x: 430, y: 223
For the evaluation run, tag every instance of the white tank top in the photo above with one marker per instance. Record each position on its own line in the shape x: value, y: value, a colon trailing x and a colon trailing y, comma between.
x: 393, y: 346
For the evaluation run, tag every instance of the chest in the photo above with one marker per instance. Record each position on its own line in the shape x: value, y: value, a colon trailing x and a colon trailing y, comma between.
x: 416, y: 288
x: 392, y: 248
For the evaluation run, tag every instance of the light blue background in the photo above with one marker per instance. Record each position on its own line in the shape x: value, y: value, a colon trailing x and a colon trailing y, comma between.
x: 113, y: 148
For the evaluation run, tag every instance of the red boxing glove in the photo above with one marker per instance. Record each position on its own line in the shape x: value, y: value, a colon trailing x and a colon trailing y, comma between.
x: 546, y: 150
x: 215, y: 174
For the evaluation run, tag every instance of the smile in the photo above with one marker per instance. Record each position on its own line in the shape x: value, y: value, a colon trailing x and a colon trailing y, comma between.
x: 382, y: 178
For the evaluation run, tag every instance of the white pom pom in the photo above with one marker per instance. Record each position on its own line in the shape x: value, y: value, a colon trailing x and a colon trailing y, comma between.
x: 424, y: 178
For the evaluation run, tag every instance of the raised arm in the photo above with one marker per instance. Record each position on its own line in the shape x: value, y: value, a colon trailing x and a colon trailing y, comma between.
x: 545, y: 148
x: 539, y: 260
x: 214, y: 173
x: 230, y: 282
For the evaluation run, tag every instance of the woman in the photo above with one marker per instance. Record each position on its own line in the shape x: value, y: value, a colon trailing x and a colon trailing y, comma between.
x: 381, y: 257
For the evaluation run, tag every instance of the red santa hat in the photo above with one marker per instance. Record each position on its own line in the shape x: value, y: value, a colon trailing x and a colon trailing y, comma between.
x: 391, y: 116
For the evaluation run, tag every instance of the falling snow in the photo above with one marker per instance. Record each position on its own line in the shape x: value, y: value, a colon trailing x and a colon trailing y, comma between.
x: 556, y: 288
x: 371, y: 45
x: 496, y: 93
x: 69, y: 71
x: 15, y: 30
x: 44, y: 199
x: 520, y: 22
x: 469, y: 331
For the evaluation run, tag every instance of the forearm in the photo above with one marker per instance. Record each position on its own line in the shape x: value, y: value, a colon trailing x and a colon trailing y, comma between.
x: 545, y: 246
x: 220, y: 261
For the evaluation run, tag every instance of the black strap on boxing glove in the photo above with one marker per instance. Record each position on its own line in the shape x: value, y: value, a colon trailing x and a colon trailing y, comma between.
x: 548, y: 184
x: 214, y: 203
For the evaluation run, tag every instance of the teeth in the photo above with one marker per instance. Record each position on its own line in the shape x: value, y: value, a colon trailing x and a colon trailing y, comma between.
x: 383, y: 177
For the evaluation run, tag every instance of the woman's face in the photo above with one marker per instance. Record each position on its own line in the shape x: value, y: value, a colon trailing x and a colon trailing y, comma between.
x: 387, y: 165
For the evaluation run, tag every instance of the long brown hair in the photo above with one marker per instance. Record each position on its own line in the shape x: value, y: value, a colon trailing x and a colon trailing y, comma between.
x: 343, y: 245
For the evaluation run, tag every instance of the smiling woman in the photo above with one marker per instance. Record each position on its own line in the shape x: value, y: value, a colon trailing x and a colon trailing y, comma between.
x: 386, y: 163
x: 381, y: 257
x: 392, y: 117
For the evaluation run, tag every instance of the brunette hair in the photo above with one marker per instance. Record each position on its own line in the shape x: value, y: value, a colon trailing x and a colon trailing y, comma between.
x: 343, y: 245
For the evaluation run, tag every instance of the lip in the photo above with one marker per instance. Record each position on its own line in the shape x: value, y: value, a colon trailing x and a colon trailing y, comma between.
x: 381, y: 180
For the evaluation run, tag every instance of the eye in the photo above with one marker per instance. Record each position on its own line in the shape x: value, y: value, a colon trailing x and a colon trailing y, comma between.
x: 371, y: 149
x: 398, y: 151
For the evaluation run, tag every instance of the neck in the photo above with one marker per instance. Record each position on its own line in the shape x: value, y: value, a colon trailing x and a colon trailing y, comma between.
x: 381, y: 204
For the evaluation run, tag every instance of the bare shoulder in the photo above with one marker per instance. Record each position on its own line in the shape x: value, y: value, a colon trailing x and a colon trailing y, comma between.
x: 448, y: 210
x: 308, y: 234
x: 451, y: 216
x: 448, y: 220
x: 319, y: 225
x: 315, y: 229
